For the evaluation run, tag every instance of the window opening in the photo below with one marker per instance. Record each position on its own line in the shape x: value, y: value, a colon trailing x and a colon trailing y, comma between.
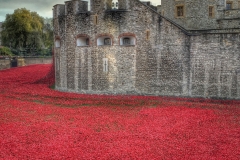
x: 180, y: 11
x: 104, y: 41
x: 57, y: 43
x: 147, y: 34
x: 82, y: 41
x: 95, y: 19
x: 229, y: 5
x: 210, y: 12
x: 107, y: 41
x: 126, y: 41
x: 114, y: 4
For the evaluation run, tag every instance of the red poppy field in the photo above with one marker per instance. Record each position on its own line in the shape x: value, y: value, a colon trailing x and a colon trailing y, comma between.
x: 37, y: 122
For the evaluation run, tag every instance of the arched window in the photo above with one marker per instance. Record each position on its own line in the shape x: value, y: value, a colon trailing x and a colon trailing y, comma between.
x: 128, y: 40
x: 104, y: 40
x: 82, y: 41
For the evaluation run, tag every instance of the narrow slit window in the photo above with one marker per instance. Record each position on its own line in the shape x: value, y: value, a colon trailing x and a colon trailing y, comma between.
x: 87, y: 41
x: 95, y: 19
x: 147, y: 34
x: 211, y: 11
x: 105, y: 65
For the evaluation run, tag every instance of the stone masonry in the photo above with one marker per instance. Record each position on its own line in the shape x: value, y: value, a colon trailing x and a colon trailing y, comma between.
x: 197, y: 16
x: 132, y: 49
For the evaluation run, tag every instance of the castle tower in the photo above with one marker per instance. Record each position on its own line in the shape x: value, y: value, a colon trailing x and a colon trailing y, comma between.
x: 100, y: 5
x: 80, y: 6
x: 69, y: 8
x: 75, y: 6
x: 123, y: 4
x: 58, y: 13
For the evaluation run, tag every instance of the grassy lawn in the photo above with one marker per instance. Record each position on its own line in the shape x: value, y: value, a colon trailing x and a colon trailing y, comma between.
x: 37, y: 122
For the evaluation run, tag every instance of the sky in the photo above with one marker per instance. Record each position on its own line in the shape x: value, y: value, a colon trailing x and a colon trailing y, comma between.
x: 42, y: 7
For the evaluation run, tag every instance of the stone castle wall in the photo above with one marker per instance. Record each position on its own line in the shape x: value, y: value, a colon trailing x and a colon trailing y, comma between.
x: 215, y: 65
x: 196, y: 14
x: 172, y: 61
x: 29, y: 61
x: 6, y: 63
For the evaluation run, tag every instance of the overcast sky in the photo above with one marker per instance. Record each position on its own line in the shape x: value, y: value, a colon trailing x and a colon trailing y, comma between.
x: 42, y: 7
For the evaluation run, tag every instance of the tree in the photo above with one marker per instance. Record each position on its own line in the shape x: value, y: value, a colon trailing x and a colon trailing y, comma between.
x: 48, y: 33
x: 47, y: 38
x: 5, y: 51
x: 22, y: 28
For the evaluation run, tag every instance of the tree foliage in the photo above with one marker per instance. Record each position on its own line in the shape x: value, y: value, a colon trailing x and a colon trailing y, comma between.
x: 48, y: 32
x: 5, y: 51
x: 24, y: 29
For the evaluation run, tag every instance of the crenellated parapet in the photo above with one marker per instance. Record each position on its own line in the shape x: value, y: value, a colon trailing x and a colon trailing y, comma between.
x: 74, y: 7
x: 70, y: 8
x: 80, y: 6
x: 100, y: 5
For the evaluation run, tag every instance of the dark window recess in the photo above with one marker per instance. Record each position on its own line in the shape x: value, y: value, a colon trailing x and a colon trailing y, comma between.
x: 95, y: 19
x: 210, y: 11
x: 180, y: 11
x: 107, y: 41
x: 14, y: 62
x: 229, y: 6
x: 147, y: 34
x: 87, y: 41
x: 126, y: 41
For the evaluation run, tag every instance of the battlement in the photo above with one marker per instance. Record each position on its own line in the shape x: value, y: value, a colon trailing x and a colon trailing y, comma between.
x: 70, y: 7
x: 78, y: 6
x: 75, y: 7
